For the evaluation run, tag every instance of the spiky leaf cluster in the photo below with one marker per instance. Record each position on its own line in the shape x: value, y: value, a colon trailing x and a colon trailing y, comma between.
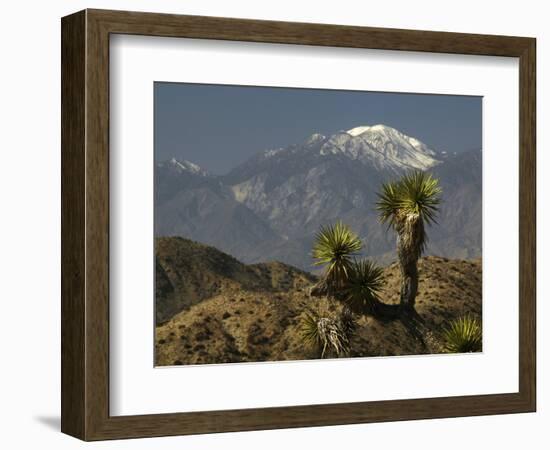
x: 463, y: 336
x: 408, y: 203
x: 356, y: 283
x: 362, y: 289
x: 416, y: 193
x: 335, y: 246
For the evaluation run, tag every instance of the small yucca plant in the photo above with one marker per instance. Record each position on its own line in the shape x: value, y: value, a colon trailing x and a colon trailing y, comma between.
x: 335, y: 246
x: 463, y: 336
x: 362, y: 289
x: 325, y: 335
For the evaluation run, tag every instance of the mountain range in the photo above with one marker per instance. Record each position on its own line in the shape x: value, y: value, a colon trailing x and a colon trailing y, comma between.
x: 270, y: 207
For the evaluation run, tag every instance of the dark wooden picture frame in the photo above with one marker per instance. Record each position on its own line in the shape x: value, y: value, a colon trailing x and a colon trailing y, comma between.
x: 85, y: 224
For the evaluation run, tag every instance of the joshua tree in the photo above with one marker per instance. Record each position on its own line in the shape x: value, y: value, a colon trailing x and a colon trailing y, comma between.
x: 335, y: 246
x: 354, y: 283
x: 407, y: 205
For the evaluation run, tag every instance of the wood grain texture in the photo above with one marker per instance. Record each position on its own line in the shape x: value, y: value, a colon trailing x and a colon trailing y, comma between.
x: 201, y: 27
x: 97, y: 226
x: 527, y: 224
x: 73, y: 227
x: 85, y: 224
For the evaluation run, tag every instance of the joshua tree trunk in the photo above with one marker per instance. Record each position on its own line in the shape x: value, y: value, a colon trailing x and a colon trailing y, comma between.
x: 409, y: 283
x: 409, y: 246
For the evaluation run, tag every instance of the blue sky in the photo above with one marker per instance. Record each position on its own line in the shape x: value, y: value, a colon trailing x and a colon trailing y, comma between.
x: 219, y: 127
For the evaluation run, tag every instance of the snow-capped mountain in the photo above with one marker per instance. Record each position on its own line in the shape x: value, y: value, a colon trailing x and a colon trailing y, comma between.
x: 389, y: 147
x: 271, y: 206
x: 379, y: 145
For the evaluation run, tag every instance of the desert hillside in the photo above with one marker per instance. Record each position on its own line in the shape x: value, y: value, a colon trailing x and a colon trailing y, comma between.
x: 213, y: 309
x: 188, y: 272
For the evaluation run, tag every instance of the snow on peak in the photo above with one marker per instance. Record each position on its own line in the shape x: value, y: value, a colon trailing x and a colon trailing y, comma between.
x: 187, y: 166
x: 379, y: 128
x: 382, y: 145
x: 314, y: 138
x: 358, y: 130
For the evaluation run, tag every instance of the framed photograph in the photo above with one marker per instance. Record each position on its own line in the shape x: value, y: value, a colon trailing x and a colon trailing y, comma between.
x: 273, y: 225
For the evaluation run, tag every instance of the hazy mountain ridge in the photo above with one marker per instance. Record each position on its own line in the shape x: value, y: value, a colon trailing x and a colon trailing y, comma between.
x: 271, y: 206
